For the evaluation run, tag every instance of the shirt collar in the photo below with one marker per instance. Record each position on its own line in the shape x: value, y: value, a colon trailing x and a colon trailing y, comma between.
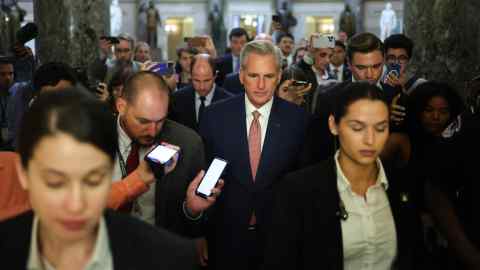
x: 124, y: 140
x: 209, y: 97
x: 101, y: 253
x: 323, y: 76
x: 264, y: 110
x: 343, y: 183
x: 339, y: 68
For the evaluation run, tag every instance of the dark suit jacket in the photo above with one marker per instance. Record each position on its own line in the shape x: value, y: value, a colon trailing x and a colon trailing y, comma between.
x: 171, y: 189
x: 347, y: 73
x: 225, y: 135
x: 224, y: 67
x: 233, y: 85
x: 183, y: 105
x: 306, y: 231
x: 133, y: 244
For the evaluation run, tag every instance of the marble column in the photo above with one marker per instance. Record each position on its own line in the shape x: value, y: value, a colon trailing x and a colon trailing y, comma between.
x: 69, y: 29
x: 446, y: 37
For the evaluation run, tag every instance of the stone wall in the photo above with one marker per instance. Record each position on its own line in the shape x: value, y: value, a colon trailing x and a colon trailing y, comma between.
x: 69, y: 29
x: 446, y: 36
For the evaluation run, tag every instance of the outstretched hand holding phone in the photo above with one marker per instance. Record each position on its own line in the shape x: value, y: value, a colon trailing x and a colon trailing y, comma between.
x: 205, y: 188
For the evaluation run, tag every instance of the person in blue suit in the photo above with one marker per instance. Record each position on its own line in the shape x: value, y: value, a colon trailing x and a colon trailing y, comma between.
x: 260, y: 136
x: 230, y: 62
x: 233, y: 85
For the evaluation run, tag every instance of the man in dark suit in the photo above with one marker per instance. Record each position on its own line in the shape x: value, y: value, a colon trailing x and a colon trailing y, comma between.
x: 338, y: 67
x: 259, y: 135
x: 233, y: 84
x: 365, y: 56
x: 161, y: 200
x: 190, y: 101
x: 230, y: 63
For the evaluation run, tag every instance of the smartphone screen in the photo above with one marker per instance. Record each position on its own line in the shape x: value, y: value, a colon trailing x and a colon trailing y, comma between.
x: 299, y: 83
x: 162, y: 69
x: 211, y: 177
x: 394, y: 68
x: 161, y: 154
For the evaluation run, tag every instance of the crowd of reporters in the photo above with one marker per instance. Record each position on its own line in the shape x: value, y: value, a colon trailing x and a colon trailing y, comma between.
x: 358, y: 163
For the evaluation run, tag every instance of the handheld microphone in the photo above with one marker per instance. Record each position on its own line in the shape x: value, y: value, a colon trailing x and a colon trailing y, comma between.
x: 28, y: 32
x: 342, y: 212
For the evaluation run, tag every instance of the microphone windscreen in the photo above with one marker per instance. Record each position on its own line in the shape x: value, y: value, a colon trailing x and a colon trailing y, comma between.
x: 28, y: 32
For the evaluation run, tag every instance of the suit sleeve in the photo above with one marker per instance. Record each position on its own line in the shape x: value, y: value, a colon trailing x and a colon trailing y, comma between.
x: 126, y: 190
x: 196, y: 160
x: 204, y: 131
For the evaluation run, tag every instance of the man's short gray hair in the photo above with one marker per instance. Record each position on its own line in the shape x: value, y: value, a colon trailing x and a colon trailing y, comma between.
x: 127, y: 37
x: 261, y: 47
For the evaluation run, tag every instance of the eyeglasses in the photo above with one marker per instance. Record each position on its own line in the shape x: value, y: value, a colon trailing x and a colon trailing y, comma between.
x: 402, y: 59
x: 118, y: 50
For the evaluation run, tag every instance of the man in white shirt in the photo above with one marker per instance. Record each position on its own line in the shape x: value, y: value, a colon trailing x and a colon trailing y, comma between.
x: 190, y: 101
x: 230, y: 63
x: 338, y: 66
x: 141, y: 124
x: 286, y: 43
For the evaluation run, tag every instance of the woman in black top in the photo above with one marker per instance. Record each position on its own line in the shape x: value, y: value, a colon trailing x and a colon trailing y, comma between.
x: 67, y: 146
x: 346, y: 212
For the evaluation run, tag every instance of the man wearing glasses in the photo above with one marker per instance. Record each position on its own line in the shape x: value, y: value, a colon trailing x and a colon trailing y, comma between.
x: 398, y: 50
x: 122, y: 57
x: 365, y: 55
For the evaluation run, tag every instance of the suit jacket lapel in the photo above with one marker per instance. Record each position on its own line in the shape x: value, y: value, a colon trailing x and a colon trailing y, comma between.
x: 239, y: 129
x: 328, y: 198
x: 395, y: 206
x: 190, y: 107
x: 216, y: 95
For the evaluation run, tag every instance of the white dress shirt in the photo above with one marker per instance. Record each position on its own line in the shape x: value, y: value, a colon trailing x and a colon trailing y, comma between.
x: 144, y: 206
x: 263, y: 118
x: 101, y: 257
x: 322, y: 79
x: 235, y: 59
x: 208, y: 100
x: 289, y: 58
x: 339, y: 73
x: 369, y: 234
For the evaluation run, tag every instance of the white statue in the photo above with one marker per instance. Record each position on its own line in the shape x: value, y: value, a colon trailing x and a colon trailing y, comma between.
x: 388, y: 21
x: 116, y: 17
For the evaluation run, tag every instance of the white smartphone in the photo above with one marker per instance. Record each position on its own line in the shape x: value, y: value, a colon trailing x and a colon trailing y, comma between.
x: 211, y: 177
x: 161, y: 154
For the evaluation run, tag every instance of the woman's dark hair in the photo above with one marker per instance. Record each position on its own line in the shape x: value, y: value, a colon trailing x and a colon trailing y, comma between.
x: 71, y: 111
x: 354, y: 92
x: 419, y: 99
x: 51, y: 73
